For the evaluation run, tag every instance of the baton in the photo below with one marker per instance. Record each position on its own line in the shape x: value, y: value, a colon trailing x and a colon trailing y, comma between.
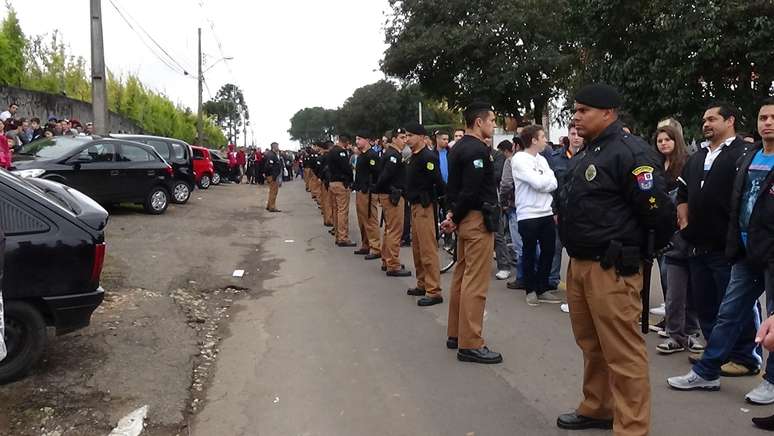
x: 646, y: 271
x: 369, y: 204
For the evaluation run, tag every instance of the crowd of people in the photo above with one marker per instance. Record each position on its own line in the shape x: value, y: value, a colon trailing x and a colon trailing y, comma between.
x: 608, y: 197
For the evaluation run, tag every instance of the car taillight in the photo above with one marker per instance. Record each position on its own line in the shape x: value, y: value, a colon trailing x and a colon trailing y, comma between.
x: 170, y: 171
x: 99, y: 262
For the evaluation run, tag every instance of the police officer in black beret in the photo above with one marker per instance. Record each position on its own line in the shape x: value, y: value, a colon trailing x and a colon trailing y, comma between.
x: 613, y: 198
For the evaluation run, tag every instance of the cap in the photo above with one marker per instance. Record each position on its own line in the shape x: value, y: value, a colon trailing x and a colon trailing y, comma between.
x: 416, y: 129
x: 599, y: 96
x: 364, y: 134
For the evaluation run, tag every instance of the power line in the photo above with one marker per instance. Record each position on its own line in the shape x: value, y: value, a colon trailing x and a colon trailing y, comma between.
x: 173, y: 65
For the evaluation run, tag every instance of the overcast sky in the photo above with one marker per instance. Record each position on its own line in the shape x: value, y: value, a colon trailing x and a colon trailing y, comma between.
x: 288, y: 54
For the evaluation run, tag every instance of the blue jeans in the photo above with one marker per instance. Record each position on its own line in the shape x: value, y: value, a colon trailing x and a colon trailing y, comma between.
x: 733, y: 335
x: 518, y: 256
x: 556, y: 266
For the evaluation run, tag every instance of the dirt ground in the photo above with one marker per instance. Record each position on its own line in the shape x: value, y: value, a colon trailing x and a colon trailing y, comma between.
x: 169, y: 296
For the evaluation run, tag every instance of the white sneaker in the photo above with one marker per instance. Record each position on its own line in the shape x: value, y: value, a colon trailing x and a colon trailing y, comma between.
x: 763, y: 394
x: 693, y: 381
x: 532, y: 299
x: 503, y: 275
x: 658, y: 311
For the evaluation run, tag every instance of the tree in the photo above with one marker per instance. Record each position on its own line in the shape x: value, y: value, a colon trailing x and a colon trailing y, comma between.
x: 229, y: 109
x: 12, y: 47
x: 458, y: 51
x: 312, y: 124
x: 674, y: 57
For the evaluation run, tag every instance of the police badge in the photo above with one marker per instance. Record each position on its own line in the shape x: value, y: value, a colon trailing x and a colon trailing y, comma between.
x: 591, y: 173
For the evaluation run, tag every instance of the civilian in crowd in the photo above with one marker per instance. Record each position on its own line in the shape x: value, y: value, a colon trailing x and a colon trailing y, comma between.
x: 703, y: 214
x: 750, y: 246
x: 442, y: 148
x: 533, y: 183
x: 6, y: 153
x: 12, y: 134
x: 10, y: 113
x: 89, y: 129
x: 681, y: 324
x: 502, y: 253
x: 241, y: 163
x: 35, y: 129
x: 458, y: 134
x: 506, y: 191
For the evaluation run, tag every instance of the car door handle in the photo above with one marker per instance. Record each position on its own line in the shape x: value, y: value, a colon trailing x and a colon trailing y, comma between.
x: 113, y: 172
x: 151, y: 172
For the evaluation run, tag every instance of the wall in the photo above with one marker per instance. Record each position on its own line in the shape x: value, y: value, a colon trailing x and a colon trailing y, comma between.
x: 43, y: 105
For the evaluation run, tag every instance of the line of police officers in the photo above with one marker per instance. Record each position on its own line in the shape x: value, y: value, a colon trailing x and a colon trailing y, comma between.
x: 611, y: 200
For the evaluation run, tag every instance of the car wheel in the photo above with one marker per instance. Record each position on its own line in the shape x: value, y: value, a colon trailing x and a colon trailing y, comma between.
x: 25, y: 339
x: 181, y: 192
x: 216, y: 178
x: 205, y: 181
x: 156, y: 201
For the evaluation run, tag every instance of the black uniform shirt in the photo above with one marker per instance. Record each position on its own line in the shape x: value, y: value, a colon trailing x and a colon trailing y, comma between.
x: 393, y: 172
x: 366, y: 170
x: 614, y: 190
x: 273, y: 164
x: 338, y: 166
x: 471, y: 177
x: 423, y: 176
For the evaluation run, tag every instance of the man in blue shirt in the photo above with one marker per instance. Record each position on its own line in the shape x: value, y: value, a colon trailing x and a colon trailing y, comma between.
x: 750, y: 247
x: 442, y: 147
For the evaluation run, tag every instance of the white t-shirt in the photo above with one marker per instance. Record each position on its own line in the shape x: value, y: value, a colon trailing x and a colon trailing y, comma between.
x: 533, y: 182
x: 4, y: 115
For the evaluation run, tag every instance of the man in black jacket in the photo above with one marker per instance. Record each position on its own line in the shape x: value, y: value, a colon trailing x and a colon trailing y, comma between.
x: 703, y: 213
x: 365, y: 201
x: 390, y: 184
x: 340, y: 177
x: 273, y: 169
x: 750, y: 246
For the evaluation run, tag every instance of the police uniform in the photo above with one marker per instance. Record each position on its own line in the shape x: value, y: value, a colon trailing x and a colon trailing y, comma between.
x: 472, y: 196
x: 390, y: 185
x: 306, y: 162
x: 340, y: 178
x: 314, y: 181
x: 365, y: 203
x: 424, y: 185
x: 274, y: 168
x: 325, y: 194
x: 614, y: 193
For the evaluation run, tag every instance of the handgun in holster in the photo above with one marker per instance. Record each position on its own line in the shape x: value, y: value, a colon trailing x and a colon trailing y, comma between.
x: 491, y: 213
x: 395, y: 195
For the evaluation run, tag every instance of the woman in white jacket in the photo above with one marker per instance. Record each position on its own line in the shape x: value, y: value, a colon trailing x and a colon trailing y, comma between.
x: 533, y: 184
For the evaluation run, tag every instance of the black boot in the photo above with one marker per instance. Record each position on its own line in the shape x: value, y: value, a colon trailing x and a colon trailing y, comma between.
x: 573, y: 421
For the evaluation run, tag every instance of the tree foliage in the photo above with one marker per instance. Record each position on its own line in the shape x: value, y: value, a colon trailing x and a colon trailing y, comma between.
x: 42, y: 63
x: 312, y: 124
x: 674, y: 57
x: 457, y: 51
x: 229, y: 109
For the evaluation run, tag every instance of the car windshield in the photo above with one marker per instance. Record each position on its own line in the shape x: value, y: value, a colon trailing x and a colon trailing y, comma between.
x: 53, y: 148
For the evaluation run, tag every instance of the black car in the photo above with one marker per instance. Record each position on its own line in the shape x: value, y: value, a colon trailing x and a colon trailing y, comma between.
x: 222, y: 170
x: 54, y: 252
x: 178, y: 154
x: 108, y: 170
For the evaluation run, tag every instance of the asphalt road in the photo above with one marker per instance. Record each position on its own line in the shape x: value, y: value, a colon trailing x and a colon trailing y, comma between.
x: 334, y: 347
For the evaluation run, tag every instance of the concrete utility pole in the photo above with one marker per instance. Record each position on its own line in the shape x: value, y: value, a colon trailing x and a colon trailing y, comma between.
x: 98, y: 79
x: 199, y: 133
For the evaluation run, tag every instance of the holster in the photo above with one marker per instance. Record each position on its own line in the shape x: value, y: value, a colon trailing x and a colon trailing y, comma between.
x: 425, y: 199
x: 395, y: 195
x: 626, y: 260
x: 491, y: 213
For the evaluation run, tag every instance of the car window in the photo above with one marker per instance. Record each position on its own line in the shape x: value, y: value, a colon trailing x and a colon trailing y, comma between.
x: 53, y: 148
x: 160, y: 146
x: 17, y: 221
x: 198, y: 153
x: 178, y: 150
x: 97, y: 153
x: 133, y: 153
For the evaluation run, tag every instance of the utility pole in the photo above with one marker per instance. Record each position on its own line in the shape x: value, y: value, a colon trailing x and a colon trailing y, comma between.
x: 199, y: 133
x: 98, y: 86
x: 420, y: 112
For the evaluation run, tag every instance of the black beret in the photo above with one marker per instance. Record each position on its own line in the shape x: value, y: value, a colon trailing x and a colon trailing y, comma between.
x: 416, y: 129
x: 480, y: 105
x: 364, y: 134
x: 399, y: 130
x: 599, y: 96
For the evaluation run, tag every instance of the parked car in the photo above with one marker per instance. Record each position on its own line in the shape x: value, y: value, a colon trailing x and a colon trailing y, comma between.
x: 107, y: 170
x: 178, y: 154
x: 222, y: 170
x: 203, y: 167
x: 54, y: 253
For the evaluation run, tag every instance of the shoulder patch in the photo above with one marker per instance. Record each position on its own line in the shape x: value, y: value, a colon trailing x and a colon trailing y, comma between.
x: 393, y: 159
x: 372, y: 162
x: 343, y: 154
x: 642, y: 169
x: 430, y: 166
x: 478, y: 163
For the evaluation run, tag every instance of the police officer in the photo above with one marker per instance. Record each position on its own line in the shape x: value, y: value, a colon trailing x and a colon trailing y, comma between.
x: 474, y: 215
x: 274, y: 166
x: 390, y: 185
x: 423, y: 187
x: 340, y: 178
x: 365, y: 202
x: 612, y: 199
x: 325, y: 195
x: 314, y: 180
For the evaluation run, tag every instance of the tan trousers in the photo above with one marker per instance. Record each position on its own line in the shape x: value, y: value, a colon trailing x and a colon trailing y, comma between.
x: 424, y: 247
x: 307, y: 173
x: 393, y: 229
x: 470, y: 282
x: 340, y: 196
x: 315, y: 186
x: 369, y: 226
x: 325, y: 202
x: 604, y: 310
x: 271, y: 203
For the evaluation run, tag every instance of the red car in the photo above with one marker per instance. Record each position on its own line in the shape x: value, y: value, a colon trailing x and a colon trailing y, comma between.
x: 203, y: 168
